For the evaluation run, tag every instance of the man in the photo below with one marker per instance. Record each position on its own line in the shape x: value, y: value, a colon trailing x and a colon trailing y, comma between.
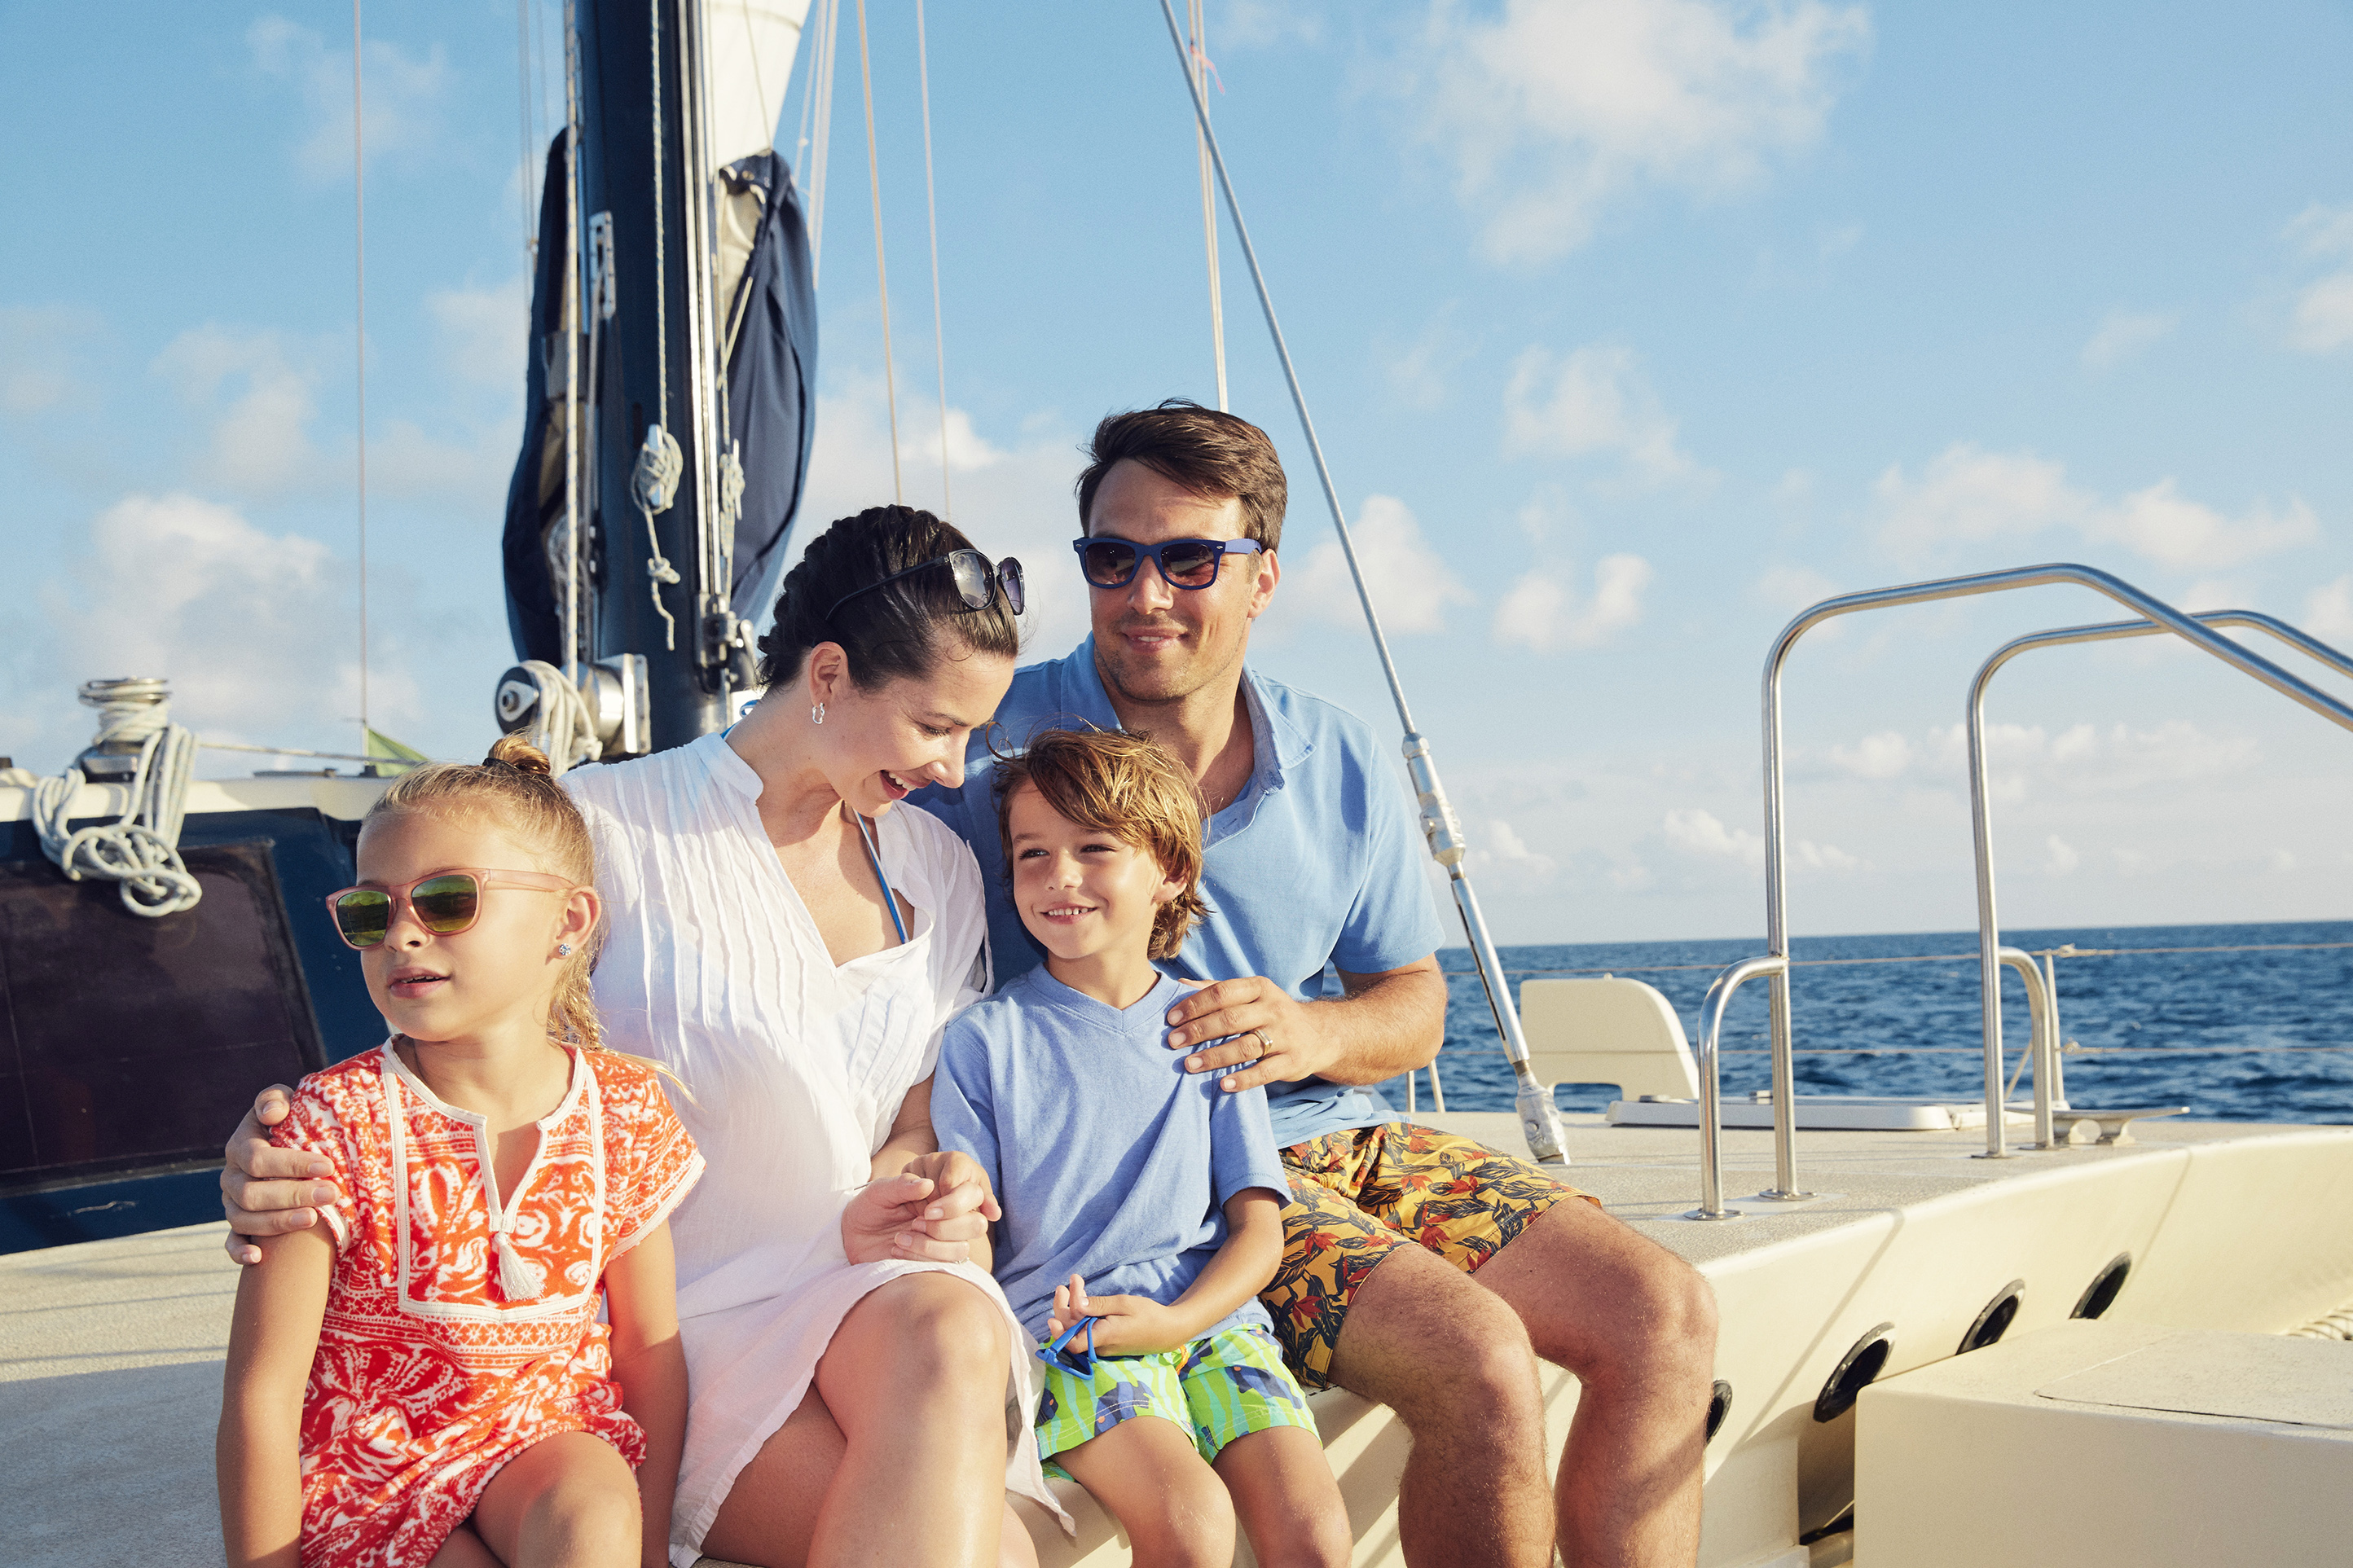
x: 1318, y: 903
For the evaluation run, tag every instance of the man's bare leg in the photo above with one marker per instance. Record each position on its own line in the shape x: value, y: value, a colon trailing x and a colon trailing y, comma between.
x: 1637, y: 1325
x: 1455, y: 1364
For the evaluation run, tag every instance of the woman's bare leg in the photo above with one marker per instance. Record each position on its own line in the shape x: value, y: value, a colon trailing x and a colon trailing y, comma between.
x: 464, y: 1549
x: 566, y: 1501
x: 898, y: 1454
x: 771, y: 1511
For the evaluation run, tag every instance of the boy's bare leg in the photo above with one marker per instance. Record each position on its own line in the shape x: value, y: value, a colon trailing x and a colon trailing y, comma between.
x: 1147, y: 1474
x: 1289, y: 1503
x: 1452, y: 1359
x: 568, y: 1501
x: 1637, y: 1325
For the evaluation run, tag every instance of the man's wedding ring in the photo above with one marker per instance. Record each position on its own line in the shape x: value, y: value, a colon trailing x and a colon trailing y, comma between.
x: 1264, y: 1045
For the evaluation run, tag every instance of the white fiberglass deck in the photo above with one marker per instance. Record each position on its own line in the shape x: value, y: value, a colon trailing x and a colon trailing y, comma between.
x: 110, y: 1350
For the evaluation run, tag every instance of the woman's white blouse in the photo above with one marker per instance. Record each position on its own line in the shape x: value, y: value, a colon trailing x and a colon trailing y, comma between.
x: 793, y: 1072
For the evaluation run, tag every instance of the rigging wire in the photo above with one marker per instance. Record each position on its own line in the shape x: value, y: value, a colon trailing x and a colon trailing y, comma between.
x: 654, y: 482
x: 931, y: 210
x: 524, y: 124
x: 571, y: 300
x: 1928, y: 958
x: 359, y: 311
x: 828, y: 40
x: 1200, y: 67
x: 882, y: 276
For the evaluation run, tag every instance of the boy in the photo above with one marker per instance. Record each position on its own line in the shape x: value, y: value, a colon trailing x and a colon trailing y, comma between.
x: 1121, y: 1173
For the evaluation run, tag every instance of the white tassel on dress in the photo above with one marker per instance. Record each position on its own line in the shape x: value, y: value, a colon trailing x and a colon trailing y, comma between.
x: 519, y: 1279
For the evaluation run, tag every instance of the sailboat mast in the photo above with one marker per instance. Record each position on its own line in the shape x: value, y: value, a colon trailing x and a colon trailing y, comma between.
x: 639, y: 102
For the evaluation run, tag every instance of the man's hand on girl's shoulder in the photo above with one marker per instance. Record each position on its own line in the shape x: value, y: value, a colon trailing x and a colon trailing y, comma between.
x: 265, y: 1190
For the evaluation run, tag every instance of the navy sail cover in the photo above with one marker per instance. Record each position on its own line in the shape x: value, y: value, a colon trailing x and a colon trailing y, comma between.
x: 769, y: 333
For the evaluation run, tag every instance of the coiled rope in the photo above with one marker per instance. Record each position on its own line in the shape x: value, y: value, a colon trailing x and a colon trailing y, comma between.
x: 140, y: 850
x: 561, y: 724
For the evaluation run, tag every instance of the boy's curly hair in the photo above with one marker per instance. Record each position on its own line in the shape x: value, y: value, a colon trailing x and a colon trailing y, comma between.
x: 1123, y: 785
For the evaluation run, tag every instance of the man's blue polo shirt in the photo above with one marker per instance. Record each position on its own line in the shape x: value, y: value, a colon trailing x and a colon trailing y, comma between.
x: 1317, y: 866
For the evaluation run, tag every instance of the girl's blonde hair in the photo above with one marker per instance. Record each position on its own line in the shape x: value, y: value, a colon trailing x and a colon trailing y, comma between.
x: 516, y: 785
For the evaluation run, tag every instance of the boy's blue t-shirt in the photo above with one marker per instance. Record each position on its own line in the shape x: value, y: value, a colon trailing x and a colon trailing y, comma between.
x: 1111, y: 1161
x: 1317, y: 865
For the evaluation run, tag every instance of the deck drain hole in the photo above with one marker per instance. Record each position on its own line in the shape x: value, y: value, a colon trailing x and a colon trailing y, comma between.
x: 1719, y: 1405
x: 1855, y: 1370
x: 1995, y: 1321
x: 2100, y: 1293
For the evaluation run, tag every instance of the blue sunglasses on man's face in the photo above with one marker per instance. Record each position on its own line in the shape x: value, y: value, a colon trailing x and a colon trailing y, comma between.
x: 1182, y: 562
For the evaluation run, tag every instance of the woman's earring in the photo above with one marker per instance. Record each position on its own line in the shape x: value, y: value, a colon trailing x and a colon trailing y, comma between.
x: 817, y: 714
x: 562, y: 950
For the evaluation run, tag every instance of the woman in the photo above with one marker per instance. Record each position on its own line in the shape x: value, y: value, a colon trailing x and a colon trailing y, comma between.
x: 792, y: 946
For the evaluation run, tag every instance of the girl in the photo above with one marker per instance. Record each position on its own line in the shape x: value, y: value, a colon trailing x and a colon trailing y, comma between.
x: 423, y: 1379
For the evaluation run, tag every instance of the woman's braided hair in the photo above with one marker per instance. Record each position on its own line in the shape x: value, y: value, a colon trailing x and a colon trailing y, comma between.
x: 894, y: 632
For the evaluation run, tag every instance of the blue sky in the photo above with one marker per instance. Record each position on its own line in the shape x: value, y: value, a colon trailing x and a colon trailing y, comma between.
x: 1631, y: 326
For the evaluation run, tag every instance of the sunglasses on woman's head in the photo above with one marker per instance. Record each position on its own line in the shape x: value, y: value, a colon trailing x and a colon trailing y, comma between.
x: 445, y: 903
x: 976, y: 579
x: 1182, y: 562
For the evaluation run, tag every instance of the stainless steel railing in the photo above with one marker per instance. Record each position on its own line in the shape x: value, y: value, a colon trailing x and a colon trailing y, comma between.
x: 1991, y: 958
x: 1711, y: 1080
x: 2046, y: 1046
x: 2041, y: 1007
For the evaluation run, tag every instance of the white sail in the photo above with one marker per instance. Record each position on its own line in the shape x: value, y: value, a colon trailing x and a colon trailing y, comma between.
x: 748, y: 52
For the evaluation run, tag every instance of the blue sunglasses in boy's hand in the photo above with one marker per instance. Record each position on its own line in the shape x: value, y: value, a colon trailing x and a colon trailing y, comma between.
x: 1059, y: 1351
x: 1182, y: 562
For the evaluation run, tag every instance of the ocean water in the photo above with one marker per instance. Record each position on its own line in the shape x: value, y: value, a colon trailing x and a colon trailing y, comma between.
x: 2263, y: 1036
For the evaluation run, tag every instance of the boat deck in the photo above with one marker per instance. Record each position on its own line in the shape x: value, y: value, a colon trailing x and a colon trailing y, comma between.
x: 112, y: 1350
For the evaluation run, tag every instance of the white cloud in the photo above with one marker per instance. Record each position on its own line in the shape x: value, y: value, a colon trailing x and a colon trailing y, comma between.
x: 2323, y: 318
x: 2060, y: 859
x: 2083, y: 760
x: 38, y: 359
x: 1594, y: 400
x: 262, y: 404
x: 482, y: 333
x: 1011, y: 499
x: 1793, y: 588
x: 1412, y: 585
x: 1699, y: 832
x: 255, y: 630
x: 2328, y: 612
x: 1553, y: 109
x: 1543, y: 611
x: 1967, y: 496
x: 1501, y: 847
x: 2161, y: 524
x: 1254, y: 23
x: 403, y: 94
x: 2123, y: 333
x: 1885, y: 755
x: 1419, y: 373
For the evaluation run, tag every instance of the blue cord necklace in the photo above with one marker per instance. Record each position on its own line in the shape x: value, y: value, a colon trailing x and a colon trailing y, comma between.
x: 874, y: 855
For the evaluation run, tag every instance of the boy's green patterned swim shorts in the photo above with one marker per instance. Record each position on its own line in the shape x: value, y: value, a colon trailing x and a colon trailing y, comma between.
x: 1216, y: 1389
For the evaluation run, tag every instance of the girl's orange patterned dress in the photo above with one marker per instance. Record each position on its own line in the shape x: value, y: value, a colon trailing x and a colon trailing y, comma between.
x: 461, y: 1322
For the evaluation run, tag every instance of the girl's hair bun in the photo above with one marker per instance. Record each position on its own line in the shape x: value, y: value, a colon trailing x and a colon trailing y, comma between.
x: 519, y: 754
